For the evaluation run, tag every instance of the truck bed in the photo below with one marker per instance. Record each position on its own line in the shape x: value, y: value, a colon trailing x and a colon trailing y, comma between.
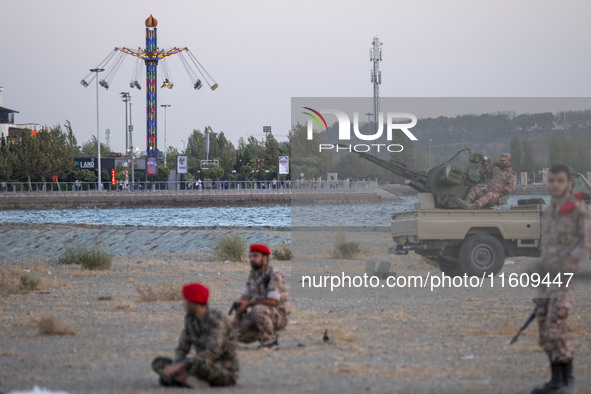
x: 456, y: 224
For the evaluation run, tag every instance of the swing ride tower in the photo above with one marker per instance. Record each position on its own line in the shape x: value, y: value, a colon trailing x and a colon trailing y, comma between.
x: 151, y: 55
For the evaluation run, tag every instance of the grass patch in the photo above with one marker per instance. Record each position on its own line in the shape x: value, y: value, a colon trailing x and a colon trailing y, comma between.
x: 124, y: 304
x: 345, y: 249
x: 51, y: 326
x: 29, y: 282
x: 231, y: 247
x: 90, y: 259
x: 166, y: 292
x: 9, y: 282
x: 282, y: 254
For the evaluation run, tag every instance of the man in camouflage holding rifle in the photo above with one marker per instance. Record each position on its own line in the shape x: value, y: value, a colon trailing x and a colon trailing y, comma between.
x: 566, y: 243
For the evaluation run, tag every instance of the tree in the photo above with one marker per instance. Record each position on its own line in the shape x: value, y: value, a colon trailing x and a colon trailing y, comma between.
x: 516, y: 162
x: 89, y: 148
x: 27, y: 159
x: 528, y: 163
x: 272, y: 152
x: 171, y: 155
x: 305, y: 155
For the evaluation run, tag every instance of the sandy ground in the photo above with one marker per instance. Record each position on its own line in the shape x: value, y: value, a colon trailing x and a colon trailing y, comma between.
x: 449, y: 341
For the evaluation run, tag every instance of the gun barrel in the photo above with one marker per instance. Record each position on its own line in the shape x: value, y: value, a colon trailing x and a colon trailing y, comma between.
x: 418, y: 179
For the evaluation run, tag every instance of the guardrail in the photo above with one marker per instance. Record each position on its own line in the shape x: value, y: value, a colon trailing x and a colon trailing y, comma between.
x: 204, y: 187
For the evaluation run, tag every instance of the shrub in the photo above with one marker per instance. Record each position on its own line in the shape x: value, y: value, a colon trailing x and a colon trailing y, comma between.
x: 91, y: 259
x: 231, y: 247
x: 282, y: 254
x: 29, y: 282
x: 346, y: 250
x: 51, y: 326
x: 167, y: 292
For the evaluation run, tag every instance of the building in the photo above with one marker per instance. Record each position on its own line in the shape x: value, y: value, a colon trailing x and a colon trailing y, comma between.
x: 8, y: 128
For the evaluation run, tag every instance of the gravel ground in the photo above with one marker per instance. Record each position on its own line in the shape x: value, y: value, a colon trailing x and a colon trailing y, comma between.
x: 449, y: 341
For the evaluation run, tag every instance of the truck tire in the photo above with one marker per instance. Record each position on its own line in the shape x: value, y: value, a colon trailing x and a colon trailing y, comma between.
x: 481, y: 254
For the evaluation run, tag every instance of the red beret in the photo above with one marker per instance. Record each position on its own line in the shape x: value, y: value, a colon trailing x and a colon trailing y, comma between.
x: 196, y: 292
x: 260, y: 248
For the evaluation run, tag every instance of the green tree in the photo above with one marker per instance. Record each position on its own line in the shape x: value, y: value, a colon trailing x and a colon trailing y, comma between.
x: 89, y: 148
x: 516, y: 162
x: 27, y: 159
x: 529, y: 163
x: 171, y: 155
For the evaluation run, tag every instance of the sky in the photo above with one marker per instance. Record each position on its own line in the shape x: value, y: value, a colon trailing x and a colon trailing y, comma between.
x: 263, y: 53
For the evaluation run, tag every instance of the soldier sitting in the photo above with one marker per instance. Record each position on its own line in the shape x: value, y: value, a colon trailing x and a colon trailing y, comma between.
x: 266, y: 296
x: 212, y: 336
x: 503, y: 181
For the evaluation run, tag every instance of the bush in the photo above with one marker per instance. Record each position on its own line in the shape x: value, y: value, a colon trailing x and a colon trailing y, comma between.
x: 29, y: 282
x: 50, y: 326
x: 282, y: 254
x: 231, y: 247
x: 91, y: 259
x: 346, y: 250
x: 168, y: 292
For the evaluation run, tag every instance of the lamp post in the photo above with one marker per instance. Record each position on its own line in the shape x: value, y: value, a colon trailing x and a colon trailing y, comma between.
x: 126, y: 97
x: 165, y: 147
x: 130, y: 130
x: 98, y: 141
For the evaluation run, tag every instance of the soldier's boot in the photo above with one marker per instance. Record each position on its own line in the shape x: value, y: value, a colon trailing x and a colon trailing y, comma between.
x: 273, y: 345
x: 555, y: 381
x: 568, y: 381
x: 158, y: 365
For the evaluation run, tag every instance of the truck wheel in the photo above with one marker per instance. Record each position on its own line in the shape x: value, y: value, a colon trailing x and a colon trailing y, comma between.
x: 481, y: 254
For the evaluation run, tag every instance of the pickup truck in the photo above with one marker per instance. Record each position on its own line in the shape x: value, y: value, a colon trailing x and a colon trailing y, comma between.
x: 476, y: 241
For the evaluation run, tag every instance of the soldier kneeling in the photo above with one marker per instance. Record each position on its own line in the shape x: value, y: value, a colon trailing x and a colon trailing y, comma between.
x: 211, y: 334
x: 265, y: 297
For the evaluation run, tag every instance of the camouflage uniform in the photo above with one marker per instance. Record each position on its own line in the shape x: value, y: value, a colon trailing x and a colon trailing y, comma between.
x: 566, y: 232
x: 215, y: 346
x: 503, y: 181
x: 262, y: 321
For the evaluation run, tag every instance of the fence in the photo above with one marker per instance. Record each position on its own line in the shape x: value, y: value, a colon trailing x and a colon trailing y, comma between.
x: 205, y: 187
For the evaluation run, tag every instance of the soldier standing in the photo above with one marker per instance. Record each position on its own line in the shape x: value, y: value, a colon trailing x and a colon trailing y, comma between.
x: 265, y: 294
x: 566, y: 243
x: 503, y: 181
x: 211, y: 334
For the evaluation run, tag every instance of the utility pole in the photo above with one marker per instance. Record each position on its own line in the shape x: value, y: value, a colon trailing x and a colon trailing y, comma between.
x: 98, y: 140
x: 375, y: 56
x: 165, y: 146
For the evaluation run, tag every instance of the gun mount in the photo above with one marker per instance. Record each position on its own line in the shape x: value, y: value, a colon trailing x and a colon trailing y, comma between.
x: 447, y: 181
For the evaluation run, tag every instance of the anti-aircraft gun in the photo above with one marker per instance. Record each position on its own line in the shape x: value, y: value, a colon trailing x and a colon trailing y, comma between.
x: 461, y: 241
x: 446, y: 182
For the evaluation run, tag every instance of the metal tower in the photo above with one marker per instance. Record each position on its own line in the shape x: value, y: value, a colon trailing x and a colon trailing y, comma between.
x: 375, y: 56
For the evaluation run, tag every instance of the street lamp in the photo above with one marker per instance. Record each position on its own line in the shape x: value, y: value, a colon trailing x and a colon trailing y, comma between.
x: 165, y: 147
x: 126, y: 97
x: 98, y: 141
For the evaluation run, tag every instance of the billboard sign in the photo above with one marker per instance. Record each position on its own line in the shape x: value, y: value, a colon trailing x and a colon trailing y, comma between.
x: 283, y: 167
x: 181, y: 165
x: 152, y: 166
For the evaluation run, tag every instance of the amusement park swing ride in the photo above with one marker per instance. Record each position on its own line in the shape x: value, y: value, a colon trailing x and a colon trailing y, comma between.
x: 151, y: 56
